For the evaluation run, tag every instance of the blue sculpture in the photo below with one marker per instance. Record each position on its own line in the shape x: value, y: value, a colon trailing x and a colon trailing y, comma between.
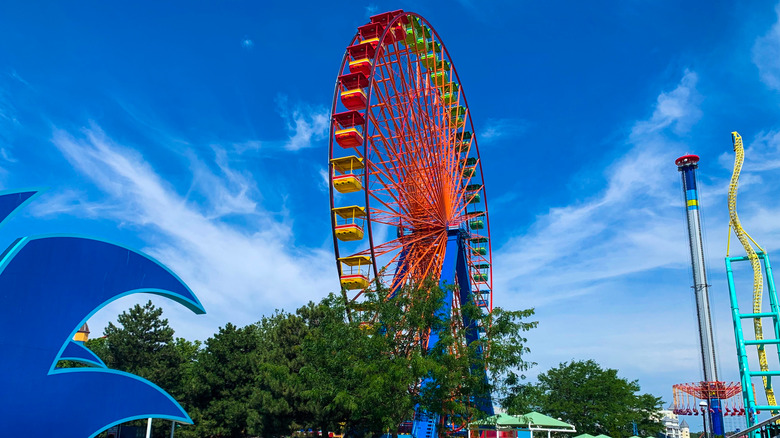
x: 50, y: 286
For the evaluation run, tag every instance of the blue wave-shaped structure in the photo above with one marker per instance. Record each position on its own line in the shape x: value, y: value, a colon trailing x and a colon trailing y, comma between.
x: 50, y: 286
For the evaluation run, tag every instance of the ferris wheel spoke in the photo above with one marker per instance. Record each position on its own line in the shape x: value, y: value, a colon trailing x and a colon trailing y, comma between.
x: 403, y: 99
x: 428, y: 155
x: 388, y: 203
x: 394, y: 220
x: 421, y: 258
x: 384, y: 117
x: 389, y: 109
x: 402, y: 192
x: 426, y: 158
x: 392, y: 158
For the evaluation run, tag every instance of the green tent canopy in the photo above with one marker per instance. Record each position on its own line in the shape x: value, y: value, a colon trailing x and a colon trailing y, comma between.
x: 544, y: 421
x: 532, y: 422
x: 502, y: 421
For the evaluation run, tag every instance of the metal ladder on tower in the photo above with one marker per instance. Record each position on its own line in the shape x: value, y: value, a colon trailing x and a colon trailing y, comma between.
x: 424, y: 425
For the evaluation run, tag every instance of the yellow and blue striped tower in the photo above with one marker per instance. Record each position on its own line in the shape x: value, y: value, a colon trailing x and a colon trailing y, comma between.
x: 687, y: 165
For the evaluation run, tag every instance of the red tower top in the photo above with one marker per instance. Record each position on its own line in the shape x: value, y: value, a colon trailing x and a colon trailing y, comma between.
x: 687, y: 159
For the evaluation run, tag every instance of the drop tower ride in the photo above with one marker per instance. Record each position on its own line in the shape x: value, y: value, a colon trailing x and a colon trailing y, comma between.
x: 710, y: 388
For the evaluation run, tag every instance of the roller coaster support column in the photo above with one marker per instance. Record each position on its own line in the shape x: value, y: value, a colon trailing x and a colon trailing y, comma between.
x: 687, y: 166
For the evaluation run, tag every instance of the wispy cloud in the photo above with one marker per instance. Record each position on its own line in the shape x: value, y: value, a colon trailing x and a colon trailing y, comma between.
x: 239, y: 272
x: 503, y: 128
x: 371, y: 10
x: 761, y: 153
x: 619, y: 231
x: 606, y: 252
x: 324, y: 184
x: 766, y: 55
x: 9, y: 118
x: 69, y: 201
x: 678, y: 109
x: 7, y: 109
x: 250, y: 145
x: 306, y: 124
x: 247, y: 43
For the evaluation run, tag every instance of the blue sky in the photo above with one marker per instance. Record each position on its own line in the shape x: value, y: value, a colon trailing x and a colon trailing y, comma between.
x: 197, y: 132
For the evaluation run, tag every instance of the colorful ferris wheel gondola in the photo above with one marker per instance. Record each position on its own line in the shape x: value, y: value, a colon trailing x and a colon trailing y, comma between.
x: 407, y: 194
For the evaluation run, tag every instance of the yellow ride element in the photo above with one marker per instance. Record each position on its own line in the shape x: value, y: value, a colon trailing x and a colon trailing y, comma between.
x: 348, y: 181
x: 349, y: 229
x: 355, y: 279
x: 83, y: 334
x: 758, y: 279
x: 373, y: 41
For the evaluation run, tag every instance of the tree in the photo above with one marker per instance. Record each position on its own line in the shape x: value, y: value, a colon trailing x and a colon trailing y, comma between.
x: 593, y: 399
x: 339, y: 369
x: 372, y: 369
x: 278, y: 393
x: 143, y: 343
x: 224, y: 384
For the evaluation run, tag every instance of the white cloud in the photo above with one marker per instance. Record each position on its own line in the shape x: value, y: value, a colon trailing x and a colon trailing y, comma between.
x: 68, y: 201
x: 251, y: 145
x: 622, y: 230
x: 324, y: 184
x: 503, y: 128
x: 678, y: 108
x: 606, y: 253
x: 761, y: 153
x: 227, y: 192
x: 306, y: 124
x: 766, y: 55
x: 247, y: 43
x: 6, y: 155
x: 238, y: 272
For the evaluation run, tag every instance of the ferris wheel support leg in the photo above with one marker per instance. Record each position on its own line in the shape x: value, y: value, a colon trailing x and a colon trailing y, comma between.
x: 483, y: 401
x: 424, y: 425
x: 447, y: 280
x: 455, y: 264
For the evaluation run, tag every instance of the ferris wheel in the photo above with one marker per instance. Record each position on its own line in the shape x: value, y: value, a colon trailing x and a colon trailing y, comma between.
x: 406, y: 182
x: 407, y: 194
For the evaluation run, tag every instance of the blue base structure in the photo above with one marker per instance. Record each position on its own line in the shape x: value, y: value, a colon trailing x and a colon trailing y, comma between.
x: 50, y: 286
x: 454, y: 266
x: 716, y: 415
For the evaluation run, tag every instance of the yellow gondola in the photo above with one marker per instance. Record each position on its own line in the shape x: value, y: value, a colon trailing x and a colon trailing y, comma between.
x: 350, y: 230
x: 347, y: 182
x: 354, y: 280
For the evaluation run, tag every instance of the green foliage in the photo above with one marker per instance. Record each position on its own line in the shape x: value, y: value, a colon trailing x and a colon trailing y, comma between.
x: 593, y: 399
x: 143, y: 343
x: 507, y: 349
x: 224, y: 382
x: 325, y: 367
